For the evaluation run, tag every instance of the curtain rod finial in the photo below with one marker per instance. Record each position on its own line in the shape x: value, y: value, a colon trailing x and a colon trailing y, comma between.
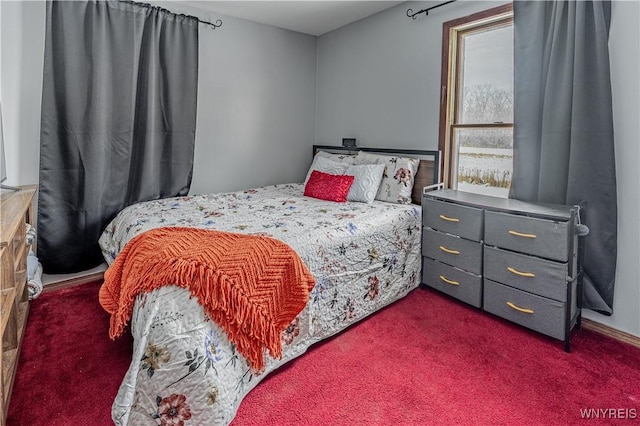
x: 413, y: 15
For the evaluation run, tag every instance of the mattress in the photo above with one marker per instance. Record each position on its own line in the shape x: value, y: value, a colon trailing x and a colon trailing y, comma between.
x: 363, y: 257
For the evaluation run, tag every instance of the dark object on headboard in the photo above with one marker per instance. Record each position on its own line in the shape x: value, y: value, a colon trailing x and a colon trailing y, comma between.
x: 425, y: 176
x: 349, y: 142
x: 428, y: 171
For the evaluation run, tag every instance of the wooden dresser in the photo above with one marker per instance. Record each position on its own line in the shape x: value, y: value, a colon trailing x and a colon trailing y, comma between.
x: 511, y: 258
x: 16, y: 211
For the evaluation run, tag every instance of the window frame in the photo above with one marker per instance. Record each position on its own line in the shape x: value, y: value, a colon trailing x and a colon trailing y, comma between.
x: 452, y: 31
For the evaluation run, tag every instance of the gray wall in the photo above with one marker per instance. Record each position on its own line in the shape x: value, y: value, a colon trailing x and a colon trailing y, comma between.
x: 379, y: 80
x: 624, y: 57
x: 22, y: 49
x: 256, y: 99
x: 256, y: 105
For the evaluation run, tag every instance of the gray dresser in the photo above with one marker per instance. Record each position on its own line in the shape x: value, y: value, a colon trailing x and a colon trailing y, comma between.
x: 511, y: 258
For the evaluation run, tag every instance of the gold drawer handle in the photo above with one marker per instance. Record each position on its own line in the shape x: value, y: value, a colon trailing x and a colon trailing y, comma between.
x: 522, y: 274
x: 519, y: 309
x: 520, y: 234
x: 449, y: 219
x: 446, y: 250
x: 449, y: 281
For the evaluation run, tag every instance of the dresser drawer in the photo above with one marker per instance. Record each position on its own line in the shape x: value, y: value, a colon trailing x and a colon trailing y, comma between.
x: 452, y: 250
x: 533, y: 274
x: 452, y: 281
x: 537, y: 313
x: 466, y: 222
x: 540, y: 237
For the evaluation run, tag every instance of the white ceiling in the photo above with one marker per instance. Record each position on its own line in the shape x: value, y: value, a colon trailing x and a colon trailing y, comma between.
x: 309, y: 17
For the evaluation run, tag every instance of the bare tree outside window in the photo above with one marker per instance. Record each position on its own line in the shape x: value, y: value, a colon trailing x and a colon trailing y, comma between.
x: 477, y: 107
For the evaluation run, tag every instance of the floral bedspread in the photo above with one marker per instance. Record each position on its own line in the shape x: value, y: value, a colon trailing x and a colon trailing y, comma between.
x: 363, y: 256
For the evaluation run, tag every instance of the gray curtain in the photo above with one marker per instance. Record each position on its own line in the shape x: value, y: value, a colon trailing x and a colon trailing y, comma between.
x: 118, y: 120
x: 563, y: 125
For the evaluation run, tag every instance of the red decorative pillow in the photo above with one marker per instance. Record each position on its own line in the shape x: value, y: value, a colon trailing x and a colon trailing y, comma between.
x: 325, y: 186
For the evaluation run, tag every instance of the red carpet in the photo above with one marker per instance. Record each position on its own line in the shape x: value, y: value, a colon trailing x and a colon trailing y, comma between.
x: 426, y: 359
x: 69, y: 370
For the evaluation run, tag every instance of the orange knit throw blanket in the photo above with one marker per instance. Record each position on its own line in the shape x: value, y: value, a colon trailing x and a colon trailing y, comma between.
x: 252, y: 286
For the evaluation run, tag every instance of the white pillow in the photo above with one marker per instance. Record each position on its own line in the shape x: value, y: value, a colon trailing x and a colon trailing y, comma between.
x: 338, y: 158
x: 398, y: 176
x: 325, y: 165
x: 366, y: 182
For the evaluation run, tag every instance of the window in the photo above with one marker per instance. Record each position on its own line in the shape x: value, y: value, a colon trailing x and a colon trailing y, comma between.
x: 476, y: 109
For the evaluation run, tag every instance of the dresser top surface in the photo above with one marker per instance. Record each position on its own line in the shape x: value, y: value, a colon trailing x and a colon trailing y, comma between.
x: 555, y: 211
x: 13, y: 206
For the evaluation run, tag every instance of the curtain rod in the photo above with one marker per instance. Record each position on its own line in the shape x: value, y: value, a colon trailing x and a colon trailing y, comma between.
x: 215, y: 25
x: 412, y: 15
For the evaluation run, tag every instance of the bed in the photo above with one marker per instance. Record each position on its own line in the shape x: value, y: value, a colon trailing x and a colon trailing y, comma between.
x: 363, y: 256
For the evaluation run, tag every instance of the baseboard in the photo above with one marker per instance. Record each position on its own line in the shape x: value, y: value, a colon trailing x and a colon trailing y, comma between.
x: 611, y: 332
x: 72, y: 282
